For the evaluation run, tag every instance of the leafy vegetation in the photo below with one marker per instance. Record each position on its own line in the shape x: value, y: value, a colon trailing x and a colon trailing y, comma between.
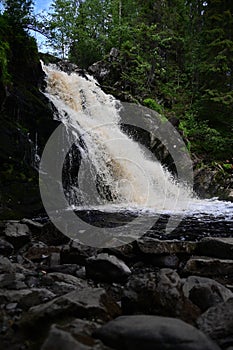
x: 174, y: 56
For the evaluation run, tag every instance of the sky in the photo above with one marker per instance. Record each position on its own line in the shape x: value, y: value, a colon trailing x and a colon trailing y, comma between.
x: 41, y: 5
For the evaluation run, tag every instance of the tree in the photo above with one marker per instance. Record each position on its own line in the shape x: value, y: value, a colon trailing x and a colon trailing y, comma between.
x: 19, y: 12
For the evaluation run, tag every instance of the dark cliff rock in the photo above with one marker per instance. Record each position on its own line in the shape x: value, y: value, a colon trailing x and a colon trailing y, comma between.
x: 26, y: 119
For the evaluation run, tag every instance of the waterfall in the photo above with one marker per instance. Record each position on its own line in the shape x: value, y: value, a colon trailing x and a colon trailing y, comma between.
x: 123, y: 173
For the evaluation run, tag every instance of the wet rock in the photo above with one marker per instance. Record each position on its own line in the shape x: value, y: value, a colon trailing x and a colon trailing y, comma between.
x: 60, y: 340
x: 107, y: 268
x: 6, y: 248
x: 76, y: 253
x: 90, y: 303
x: 17, y: 234
x: 217, y: 323
x: 153, y: 332
x: 12, y: 281
x: 158, y: 293
x: 205, y: 292
x: 154, y: 246
x: 221, y: 248
x: 205, y: 266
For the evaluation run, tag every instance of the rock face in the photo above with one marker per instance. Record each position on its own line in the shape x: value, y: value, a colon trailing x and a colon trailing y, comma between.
x: 153, y: 332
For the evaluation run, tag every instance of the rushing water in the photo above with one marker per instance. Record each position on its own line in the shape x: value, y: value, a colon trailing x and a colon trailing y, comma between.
x: 126, y: 180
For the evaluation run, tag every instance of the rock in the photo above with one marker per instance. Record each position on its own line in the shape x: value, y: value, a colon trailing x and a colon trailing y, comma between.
x: 37, y: 252
x: 6, y: 248
x: 6, y: 265
x: 82, y: 331
x: 205, y: 292
x: 100, y: 70
x: 217, y: 247
x: 60, y: 283
x: 205, y: 266
x: 12, y: 281
x: 107, y: 268
x: 154, y: 246
x: 26, y: 298
x: 34, y: 226
x: 158, y: 293
x: 152, y: 332
x: 17, y: 234
x: 51, y: 236
x: 217, y: 323
x: 169, y: 261
x: 68, y: 269
x: 90, y: 303
x: 76, y: 253
x: 60, y: 340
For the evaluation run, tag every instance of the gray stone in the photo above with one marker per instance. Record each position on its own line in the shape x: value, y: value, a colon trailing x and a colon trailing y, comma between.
x: 17, y: 234
x: 6, y: 265
x: 158, y: 293
x: 153, y: 332
x: 76, y: 253
x: 206, y: 266
x: 6, y: 248
x: 216, y: 247
x: 12, y: 281
x: 60, y: 283
x: 39, y: 252
x: 217, y: 323
x: 154, y: 246
x: 60, y: 340
x: 205, y: 292
x: 107, y: 268
x: 91, y: 303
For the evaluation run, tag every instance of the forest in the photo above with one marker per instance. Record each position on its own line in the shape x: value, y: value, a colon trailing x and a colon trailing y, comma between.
x: 174, y: 56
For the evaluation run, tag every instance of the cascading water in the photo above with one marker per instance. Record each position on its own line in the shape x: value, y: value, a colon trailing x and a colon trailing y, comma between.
x: 121, y: 164
x: 116, y: 173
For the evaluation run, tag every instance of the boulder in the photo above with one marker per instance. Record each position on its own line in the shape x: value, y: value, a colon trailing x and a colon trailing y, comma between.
x: 60, y: 283
x: 6, y: 248
x: 90, y: 303
x: 107, y: 268
x: 158, y: 293
x: 12, y: 281
x: 154, y: 246
x: 60, y: 340
x: 217, y: 323
x: 205, y: 292
x: 17, y: 234
x: 217, y: 247
x: 153, y: 332
x: 206, y: 266
x: 76, y: 253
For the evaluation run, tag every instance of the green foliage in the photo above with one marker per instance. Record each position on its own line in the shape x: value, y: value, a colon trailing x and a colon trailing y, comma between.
x: 152, y: 104
x: 204, y: 140
x: 4, y: 53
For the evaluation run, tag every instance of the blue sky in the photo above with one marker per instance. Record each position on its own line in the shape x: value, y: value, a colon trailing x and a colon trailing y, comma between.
x: 41, y: 5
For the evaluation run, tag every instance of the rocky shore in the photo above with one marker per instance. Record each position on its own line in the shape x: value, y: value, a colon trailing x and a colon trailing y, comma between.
x: 151, y: 294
